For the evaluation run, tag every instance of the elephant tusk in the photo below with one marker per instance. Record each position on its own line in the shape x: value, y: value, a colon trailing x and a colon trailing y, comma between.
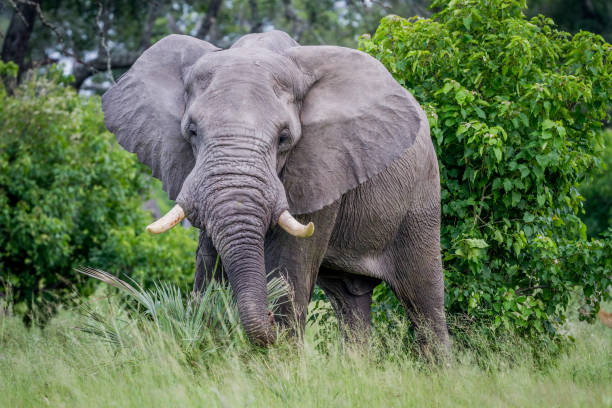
x: 172, y: 217
x: 294, y: 227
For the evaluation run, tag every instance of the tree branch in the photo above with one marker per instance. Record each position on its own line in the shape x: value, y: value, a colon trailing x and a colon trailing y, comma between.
x: 531, y: 288
x: 103, y: 35
x: 55, y: 31
x: 147, y: 32
x: 256, y: 22
x: 172, y: 24
x: 299, y: 25
x: 46, y: 60
x: 83, y: 71
x: 18, y: 34
x: 214, y: 6
x: 100, y: 63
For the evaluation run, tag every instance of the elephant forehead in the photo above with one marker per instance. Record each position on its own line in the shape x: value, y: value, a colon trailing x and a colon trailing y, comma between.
x: 242, y: 63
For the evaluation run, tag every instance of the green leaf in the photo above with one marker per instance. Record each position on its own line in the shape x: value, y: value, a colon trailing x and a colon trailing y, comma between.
x: 460, y: 96
x: 481, y: 114
x: 561, y: 130
x: 476, y: 243
x: 516, y: 198
x: 462, y: 129
x: 542, y: 160
x: 498, y: 153
x: 547, y: 124
x: 524, y: 170
x: 447, y: 87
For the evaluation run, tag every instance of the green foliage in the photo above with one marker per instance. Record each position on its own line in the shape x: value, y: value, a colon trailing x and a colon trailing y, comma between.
x: 62, y: 366
x: 83, y: 28
x: 597, y: 194
x: 515, y: 109
x: 574, y: 15
x: 69, y: 195
x: 201, y: 324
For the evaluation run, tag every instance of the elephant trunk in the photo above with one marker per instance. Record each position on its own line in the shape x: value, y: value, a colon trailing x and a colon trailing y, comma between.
x: 245, y: 267
x: 237, y: 227
x: 236, y: 203
x: 236, y: 195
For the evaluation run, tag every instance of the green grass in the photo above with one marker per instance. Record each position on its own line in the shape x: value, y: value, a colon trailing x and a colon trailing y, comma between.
x: 117, y: 352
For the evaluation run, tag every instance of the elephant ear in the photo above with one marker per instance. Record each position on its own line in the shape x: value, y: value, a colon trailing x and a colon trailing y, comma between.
x: 145, y: 107
x: 356, y: 120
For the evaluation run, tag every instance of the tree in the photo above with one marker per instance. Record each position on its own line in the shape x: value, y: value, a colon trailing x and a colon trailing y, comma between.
x: 70, y: 196
x: 18, y: 34
x: 597, y: 192
x: 515, y: 108
x: 101, y: 39
x: 574, y: 15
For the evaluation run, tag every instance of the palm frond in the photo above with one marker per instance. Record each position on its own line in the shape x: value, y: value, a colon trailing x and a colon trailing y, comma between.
x: 207, y: 321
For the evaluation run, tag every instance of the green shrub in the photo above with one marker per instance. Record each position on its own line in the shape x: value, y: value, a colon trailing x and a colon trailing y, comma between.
x: 597, y: 193
x: 515, y: 109
x: 70, y: 196
x: 201, y: 324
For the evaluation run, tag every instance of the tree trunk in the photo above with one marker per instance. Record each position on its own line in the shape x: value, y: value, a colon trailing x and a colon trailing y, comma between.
x: 118, y: 61
x: 210, y: 19
x: 256, y: 22
x: 18, y: 34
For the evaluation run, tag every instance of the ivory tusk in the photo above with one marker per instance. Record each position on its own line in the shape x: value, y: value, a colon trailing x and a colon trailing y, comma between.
x: 294, y: 227
x: 169, y: 220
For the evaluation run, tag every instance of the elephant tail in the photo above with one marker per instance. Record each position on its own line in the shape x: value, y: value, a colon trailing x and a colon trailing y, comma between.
x: 605, y: 318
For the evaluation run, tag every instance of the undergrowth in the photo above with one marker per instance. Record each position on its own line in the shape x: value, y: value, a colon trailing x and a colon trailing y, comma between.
x: 161, y: 347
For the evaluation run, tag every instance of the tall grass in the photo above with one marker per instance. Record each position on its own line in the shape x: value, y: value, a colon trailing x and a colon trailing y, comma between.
x: 163, y: 348
x: 200, y: 323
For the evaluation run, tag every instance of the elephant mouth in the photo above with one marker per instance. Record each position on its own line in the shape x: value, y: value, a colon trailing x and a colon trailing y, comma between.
x: 286, y: 221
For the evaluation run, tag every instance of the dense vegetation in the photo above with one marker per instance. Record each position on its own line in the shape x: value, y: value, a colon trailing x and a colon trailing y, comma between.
x: 119, y: 355
x: 597, y: 192
x: 102, y: 38
x: 105, y: 37
x: 69, y: 195
x: 516, y: 109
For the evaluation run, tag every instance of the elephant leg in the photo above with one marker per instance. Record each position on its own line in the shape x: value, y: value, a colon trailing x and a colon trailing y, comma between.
x: 208, y: 264
x: 351, y: 299
x: 297, y: 260
x: 418, y: 281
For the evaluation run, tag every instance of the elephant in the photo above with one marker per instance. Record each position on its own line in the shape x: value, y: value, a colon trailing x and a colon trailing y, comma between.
x: 261, y: 143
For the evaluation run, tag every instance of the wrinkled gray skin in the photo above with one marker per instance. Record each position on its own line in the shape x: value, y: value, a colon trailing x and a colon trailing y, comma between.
x: 239, y: 135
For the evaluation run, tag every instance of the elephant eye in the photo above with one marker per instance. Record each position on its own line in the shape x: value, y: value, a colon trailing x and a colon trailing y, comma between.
x: 192, y: 130
x: 284, y: 138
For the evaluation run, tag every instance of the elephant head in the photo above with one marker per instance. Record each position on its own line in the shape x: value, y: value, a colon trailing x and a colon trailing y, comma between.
x: 242, y: 138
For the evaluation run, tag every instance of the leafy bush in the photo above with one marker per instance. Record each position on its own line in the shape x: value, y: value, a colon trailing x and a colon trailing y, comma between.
x: 597, y: 194
x: 69, y: 196
x: 515, y: 109
x: 200, y: 324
